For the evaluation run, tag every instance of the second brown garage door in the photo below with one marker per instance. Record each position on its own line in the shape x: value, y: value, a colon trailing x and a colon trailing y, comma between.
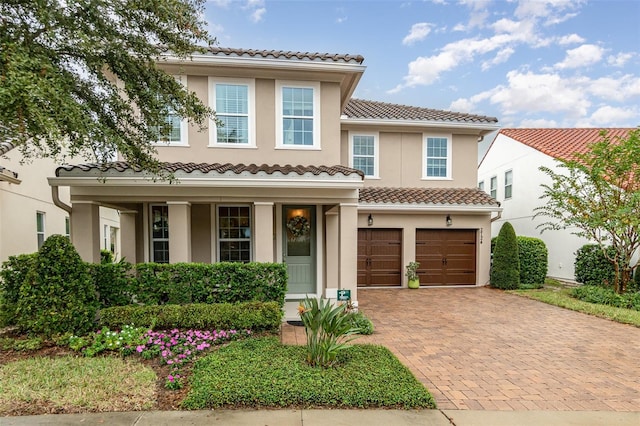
x: 379, y: 257
x: 446, y: 256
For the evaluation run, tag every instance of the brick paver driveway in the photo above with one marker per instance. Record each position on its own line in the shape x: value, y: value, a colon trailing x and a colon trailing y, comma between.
x: 480, y: 348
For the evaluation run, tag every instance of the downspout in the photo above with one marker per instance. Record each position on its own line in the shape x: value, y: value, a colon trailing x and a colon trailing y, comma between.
x: 55, y: 195
x: 493, y: 219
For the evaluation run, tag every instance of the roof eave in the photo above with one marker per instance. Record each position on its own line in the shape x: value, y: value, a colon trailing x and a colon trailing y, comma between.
x: 9, y: 176
x: 484, y: 128
x: 426, y: 208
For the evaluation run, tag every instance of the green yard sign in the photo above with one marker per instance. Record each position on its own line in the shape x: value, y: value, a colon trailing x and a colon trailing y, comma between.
x: 344, y: 295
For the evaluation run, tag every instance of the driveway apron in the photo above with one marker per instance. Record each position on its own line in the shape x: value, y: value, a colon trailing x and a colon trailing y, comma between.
x: 483, y: 349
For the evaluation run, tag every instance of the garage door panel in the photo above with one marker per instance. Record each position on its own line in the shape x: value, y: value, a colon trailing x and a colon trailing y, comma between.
x: 446, y: 256
x: 379, y: 257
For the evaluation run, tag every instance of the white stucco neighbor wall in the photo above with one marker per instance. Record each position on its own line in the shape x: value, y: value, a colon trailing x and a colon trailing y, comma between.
x: 507, y: 154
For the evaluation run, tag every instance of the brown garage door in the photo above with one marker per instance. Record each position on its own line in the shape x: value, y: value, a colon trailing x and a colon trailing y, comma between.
x: 446, y: 256
x: 379, y: 257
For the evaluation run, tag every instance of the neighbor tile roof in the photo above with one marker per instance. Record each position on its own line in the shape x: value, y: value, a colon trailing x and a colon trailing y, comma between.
x: 436, y: 196
x: 282, y: 54
x: 562, y: 143
x: 358, y: 108
x: 217, y: 168
x: 6, y: 147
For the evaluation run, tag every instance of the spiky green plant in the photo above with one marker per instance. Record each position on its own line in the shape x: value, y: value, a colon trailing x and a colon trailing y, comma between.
x: 327, y: 328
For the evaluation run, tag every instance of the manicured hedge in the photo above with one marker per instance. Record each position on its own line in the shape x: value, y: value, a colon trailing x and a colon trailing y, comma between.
x: 13, y: 273
x: 592, y: 267
x: 505, y: 270
x: 533, y: 260
x: 255, y: 316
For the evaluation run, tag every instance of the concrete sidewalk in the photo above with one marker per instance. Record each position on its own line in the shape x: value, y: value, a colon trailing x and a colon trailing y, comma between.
x: 335, y: 418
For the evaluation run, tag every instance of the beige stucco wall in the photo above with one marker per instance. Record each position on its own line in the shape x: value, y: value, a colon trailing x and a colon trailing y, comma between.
x: 265, y: 151
x: 20, y: 202
x: 401, y: 157
x: 409, y: 222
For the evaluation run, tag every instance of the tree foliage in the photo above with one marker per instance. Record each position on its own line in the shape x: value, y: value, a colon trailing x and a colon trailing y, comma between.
x: 597, y: 195
x: 505, y: 269
x: 81, y: 78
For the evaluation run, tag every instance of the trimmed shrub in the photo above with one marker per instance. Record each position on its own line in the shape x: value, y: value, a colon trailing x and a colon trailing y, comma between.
x: 12, y: 275
x: 533, y: 260
x: 592, y: 267
x: 505, y: 270
x: 361, y: 323
x: 114, y: 283
x: 106, y: 256
x: 57, y: 295
x: 256, y: 316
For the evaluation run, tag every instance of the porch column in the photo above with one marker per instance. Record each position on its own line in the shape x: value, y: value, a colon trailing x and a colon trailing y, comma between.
x: 263, y: 232
x: 128, y: 235
x: 179, y: 231
x: 349, y: 248
x: 332, y: 239
x: 85, y: 230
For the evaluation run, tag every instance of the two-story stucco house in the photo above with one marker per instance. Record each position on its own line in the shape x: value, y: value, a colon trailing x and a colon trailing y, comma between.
x: 345, y: 191
x: 510, y: 173
x: 28, y: 214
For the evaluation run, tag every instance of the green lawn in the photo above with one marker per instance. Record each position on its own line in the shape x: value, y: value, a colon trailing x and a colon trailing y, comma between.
x: 73, y: 384
x: 561, y: 297
x: 264, y: 373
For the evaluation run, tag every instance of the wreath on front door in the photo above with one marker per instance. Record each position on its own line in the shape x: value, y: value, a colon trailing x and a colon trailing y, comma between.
x: 298, y: 226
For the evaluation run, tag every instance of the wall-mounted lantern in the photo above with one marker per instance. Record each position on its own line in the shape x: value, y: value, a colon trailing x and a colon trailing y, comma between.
x: 449, y: 220
x: 370, y: 220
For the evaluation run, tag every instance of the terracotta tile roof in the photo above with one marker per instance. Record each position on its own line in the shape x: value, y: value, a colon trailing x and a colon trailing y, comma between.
x: 562, y: 143
x: 217, y: 168
x: 282, y: 54
x: 358, y: 108
x: 6, y: 147
x: 439, y: 196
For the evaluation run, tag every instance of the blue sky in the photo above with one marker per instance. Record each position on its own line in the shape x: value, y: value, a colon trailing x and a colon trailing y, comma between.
x: 553, y: 63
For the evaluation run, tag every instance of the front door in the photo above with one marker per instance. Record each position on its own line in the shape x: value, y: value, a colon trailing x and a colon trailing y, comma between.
x: 299, y: 248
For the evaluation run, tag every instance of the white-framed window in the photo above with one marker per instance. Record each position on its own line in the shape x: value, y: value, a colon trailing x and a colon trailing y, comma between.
x: 159, y: 222
x: 178, y: 132
x: 494, y: 186
x: 111, y: 238
x: 297, y: 115
x: 508, y: 184
x: 481, y: 185
x: 67, y: 227
x: 234, y: 233
x: 364, y: 153
x: 40, y: 228
x: 437, y: 157
x: 234, y: 103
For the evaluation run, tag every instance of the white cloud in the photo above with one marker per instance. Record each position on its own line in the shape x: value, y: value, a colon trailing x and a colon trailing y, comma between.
x: 620, y: 59
x: 501, y: 57
x: 256, y: 9
x: 418, y: 32
x: 608, y: 116
x: 570, y: 39
x: 587, y: 54
x: 538, y: 123
x: 618, y: 88
x: 221, y: 3
x: 257, y: 14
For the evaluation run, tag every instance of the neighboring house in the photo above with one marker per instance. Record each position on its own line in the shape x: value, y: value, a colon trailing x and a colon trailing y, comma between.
x: 345, y: 191
x: 510, y: 173
x: 28, y: 214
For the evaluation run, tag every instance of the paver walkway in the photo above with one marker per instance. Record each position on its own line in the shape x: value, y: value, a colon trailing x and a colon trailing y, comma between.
x: 482, y: 349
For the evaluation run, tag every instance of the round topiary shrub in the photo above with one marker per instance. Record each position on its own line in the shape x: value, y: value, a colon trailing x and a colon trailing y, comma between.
x: 592, y: 267
x: 57, y: 295
x: 505, y: 270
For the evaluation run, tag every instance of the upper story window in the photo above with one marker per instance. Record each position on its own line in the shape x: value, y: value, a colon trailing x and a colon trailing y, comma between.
x: 298, y: 115
x: 176, y: 131
x: 364, y: 153
x: 437, y: 157
x: 40, y: 220
x: 494, y: 187
x: 508, y: 184
x: 233, y: 100
x: 481, y: 185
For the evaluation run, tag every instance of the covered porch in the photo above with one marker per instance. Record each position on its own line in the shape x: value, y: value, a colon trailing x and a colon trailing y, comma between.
x: 303, y: 216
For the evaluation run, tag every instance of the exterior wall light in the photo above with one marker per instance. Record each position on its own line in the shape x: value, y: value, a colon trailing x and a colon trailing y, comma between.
x: 449, y: 220
x: 370, y: 220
